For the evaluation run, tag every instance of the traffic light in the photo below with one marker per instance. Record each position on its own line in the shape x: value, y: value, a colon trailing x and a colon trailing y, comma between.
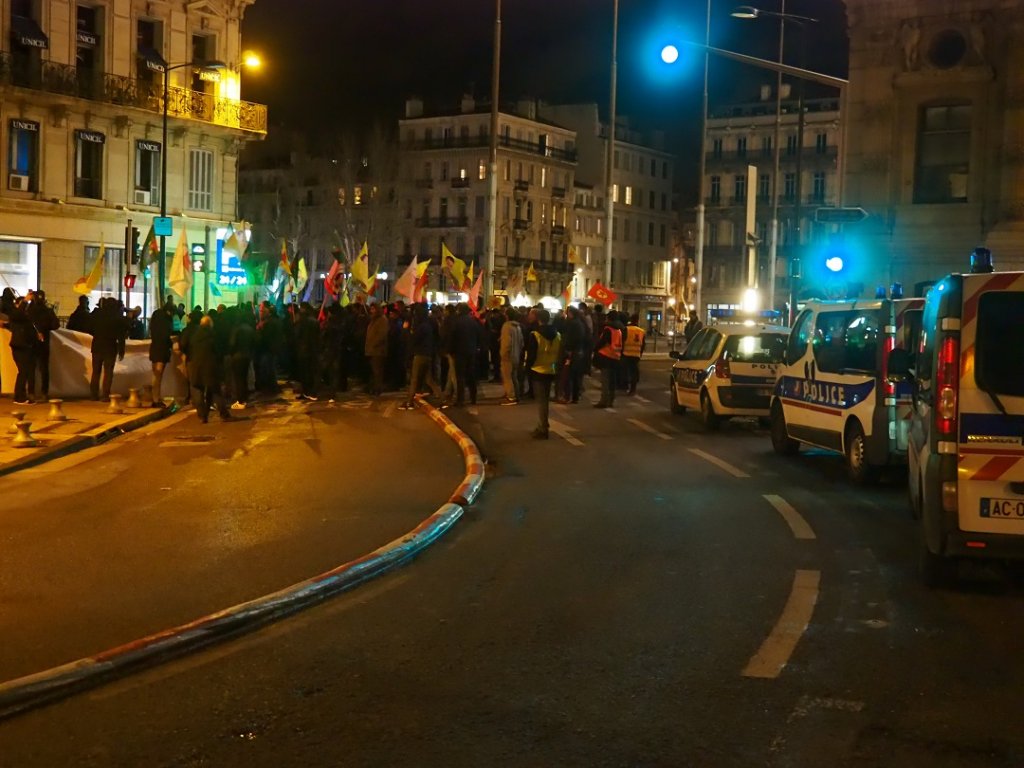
x: 131, y: 237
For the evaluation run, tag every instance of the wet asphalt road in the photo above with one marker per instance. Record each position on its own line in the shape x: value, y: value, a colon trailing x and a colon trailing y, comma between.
x: 604, y: 603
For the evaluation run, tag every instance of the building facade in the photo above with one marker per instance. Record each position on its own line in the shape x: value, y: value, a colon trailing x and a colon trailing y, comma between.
x: 741, y: 136
x: 935, y: 126
x: 81, y: 119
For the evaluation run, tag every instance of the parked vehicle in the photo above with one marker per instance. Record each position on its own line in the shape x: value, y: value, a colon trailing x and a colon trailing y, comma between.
x: 727, y: 370
x: 966, y: 453
x: 832, y: 391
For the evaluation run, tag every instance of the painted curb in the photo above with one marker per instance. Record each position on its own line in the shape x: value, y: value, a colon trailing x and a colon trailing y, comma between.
x: 49, y: 685
x: 77, y: 443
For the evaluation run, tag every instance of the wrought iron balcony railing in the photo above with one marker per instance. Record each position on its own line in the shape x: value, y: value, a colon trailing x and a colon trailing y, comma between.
x: 67, y: 80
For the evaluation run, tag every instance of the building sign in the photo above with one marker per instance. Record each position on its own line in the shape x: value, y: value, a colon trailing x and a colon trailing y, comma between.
x: 94, y: 137
x: 209, y: 75
x: 148, y: 146
x: 86, y: 38
x: 230, y: 271
x: 25, y: 125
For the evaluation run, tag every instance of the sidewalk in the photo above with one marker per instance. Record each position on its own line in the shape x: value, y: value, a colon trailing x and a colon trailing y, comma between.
x: 88, y: 423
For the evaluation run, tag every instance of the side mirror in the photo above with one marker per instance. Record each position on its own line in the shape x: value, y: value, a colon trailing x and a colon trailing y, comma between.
x: 675, y: 354
x: 898, y: 366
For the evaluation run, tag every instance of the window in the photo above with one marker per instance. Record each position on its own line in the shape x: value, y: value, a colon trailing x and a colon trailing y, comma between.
x: 147, y: 172
x: 615, y: 193
x: 444, y: 171
x: 821, y: 143
x: 766, y: 146
x: 799, y: 337
x: 651, y: 199
x: 204, y: 48
x: 943, y: 154
x: 442, y: 210
x: 108, y: 282
x: 200, y: 180
x: 629, y: 195
x: 650, y: 233
x: 150, y: 63
x: 818, y: 186
x: 626, y: 227
x: 662, y: 236
x: 846, y: 341
x: 88, y: 49
x: 543, y: 250
x: 481, y: 170
x: 791, y: 145
x: 716, y: 189
x: 19, y: 265
x: 23, y: 155
x: 789, y: 186
x: 716, y: 149
x: 739, y: 186
x: 664, y: 201
x: 615, y: 160
x: 89, y: 164
x: 1000, y: 364
x: 763, y: 348
x: 479, y: 206
x: 764, y: 186
x: 741, y: 146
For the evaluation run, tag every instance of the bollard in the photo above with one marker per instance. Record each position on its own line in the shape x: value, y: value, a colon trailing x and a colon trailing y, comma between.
x: 147, y: 396
x: 133, y: 398
x: 17, y: 416
x: 24, y: 437
x: 115, y: 404
x: 56, y: 414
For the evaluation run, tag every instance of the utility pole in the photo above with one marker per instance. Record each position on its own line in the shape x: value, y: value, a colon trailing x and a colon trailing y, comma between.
x: 492, y: 186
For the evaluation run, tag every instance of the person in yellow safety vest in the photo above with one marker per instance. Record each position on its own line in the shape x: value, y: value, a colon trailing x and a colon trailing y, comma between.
x: 632, y: 349
x: 543, y: 350
x: 607, y: 358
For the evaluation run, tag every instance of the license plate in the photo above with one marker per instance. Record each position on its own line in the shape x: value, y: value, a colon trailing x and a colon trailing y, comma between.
x: 1003, y: 509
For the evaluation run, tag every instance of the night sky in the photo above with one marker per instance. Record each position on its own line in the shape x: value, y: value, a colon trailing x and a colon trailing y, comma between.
x: 346, y: 64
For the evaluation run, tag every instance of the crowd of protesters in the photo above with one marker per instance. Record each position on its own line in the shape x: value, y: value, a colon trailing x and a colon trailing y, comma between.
x: 229, y: 354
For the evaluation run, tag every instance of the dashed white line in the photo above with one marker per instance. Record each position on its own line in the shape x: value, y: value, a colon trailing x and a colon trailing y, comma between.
x: 778, y: 647
x: 648, y: 428
x: 564, y: 431
x: 642, y: 399
x: 720, y: 463
x: 794, y: 519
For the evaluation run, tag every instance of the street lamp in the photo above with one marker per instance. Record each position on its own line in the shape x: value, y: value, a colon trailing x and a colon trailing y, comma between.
x: 205, y: 66
x: 750, y: 12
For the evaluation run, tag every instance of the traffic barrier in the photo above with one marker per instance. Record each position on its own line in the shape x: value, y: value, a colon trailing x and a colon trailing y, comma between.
x: 56, y: 413
x: 115, y: 403
x: 17, y: 416
x: 24, y: 437
x: 133, y: 398
x: 147, y: 396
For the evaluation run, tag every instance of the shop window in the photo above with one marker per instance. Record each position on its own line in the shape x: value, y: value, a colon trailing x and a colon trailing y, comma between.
x: 19, y: 265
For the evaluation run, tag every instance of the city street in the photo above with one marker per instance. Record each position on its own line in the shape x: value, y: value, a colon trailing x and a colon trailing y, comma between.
x: 633, y: 591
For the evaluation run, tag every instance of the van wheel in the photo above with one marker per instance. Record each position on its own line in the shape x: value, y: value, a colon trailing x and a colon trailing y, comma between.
x: 857, y: 466
x: 707, y: 412
x: 673, y: 400
x: 783, y: 444
x: 936, y: 571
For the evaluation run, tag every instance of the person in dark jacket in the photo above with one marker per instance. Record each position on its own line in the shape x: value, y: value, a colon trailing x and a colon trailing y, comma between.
x: 161, y: 325
x: 572, y: 365
x: 307, y: 352
x: 23, y: 345
x: 79, y: 320
x: 466, y: 340
x: 241, y: 345
x: 424, y: 343
x: 543, y: 350
x: 376, y: 347
x: 109, y: 331
x: 204, y: 375
x: 45, y: 321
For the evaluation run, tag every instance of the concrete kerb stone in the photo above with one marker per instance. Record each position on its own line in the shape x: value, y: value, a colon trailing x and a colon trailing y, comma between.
x: 34, y: 690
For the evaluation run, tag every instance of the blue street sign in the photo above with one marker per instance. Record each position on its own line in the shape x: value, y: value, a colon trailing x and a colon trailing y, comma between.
x: 163, y: 226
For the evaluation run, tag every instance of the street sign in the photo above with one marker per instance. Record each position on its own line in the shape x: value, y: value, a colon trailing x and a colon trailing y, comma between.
x: 163, y: 226
x: 839, y: 215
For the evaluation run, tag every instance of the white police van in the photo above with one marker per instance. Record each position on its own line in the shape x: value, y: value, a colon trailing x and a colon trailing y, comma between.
x: 832, y: 391
x: 727, y: 370
x: 966, y: 454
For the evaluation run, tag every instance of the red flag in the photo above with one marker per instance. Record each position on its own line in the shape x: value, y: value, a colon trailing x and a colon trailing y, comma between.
x: 604, y: 295
x: 420, y: 292
x: 331, y: 283
x: 474, y: 292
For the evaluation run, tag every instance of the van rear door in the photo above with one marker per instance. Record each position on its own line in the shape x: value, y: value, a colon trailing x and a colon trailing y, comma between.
x: 990, y: 487
x: 906, y: 331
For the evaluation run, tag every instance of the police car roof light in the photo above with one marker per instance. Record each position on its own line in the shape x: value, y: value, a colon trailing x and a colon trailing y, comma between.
x: 896, y: 292
x: 880, y: 292
x: 981, y: 261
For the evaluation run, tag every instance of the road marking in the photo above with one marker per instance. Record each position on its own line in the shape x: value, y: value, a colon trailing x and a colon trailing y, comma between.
x: 564, y: 431
x: 642, y: 399
x: 720, y: 463
x: 670, y: 428
x: 794, y: 519
x: 777, y: 649
x: 648, y: 428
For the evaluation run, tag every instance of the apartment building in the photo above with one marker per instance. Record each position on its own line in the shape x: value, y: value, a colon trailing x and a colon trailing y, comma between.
x: 742, y: 135
x: 82, y: 113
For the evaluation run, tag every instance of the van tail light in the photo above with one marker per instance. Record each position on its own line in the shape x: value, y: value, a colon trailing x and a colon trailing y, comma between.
x: 722, y: 368
x: 947, y: 387
x: 888, y: 387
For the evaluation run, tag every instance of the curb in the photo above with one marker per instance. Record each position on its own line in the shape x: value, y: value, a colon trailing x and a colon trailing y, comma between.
x: 45, y: 687
x: 86, y: 440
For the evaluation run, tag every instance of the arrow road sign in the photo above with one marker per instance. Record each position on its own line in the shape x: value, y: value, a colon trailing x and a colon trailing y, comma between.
x: 840, y: 215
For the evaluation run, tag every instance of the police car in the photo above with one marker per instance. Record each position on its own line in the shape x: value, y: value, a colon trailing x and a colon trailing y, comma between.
x: 727, y: 370
x: 833, y: 391
x: 966, y: 453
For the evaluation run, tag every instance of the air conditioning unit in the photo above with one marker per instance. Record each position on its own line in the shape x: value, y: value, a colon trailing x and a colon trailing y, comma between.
x: 18, y: 182
x: 143, y: 197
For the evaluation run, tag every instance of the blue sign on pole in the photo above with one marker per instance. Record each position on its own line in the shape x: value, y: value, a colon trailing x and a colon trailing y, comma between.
x: 163, y: 226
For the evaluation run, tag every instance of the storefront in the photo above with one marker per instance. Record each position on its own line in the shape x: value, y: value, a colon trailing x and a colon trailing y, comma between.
x: 19, y: 265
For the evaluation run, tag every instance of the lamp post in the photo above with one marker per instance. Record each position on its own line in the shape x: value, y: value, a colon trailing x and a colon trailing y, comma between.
x: 492, y: 180
x: 750, y: 12
x: 209, y: 66
x: 610, y: 156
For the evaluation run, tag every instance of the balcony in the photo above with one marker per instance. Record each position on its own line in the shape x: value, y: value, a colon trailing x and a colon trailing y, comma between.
x: 442, y: 222
x: 122, y: 91
x: 460, y: 182
x: 520, y: 225
x: 521, y: 185
x: 558, y: 192
x: 506, y: 142
x: 424, y: 183
x: 558, y: 230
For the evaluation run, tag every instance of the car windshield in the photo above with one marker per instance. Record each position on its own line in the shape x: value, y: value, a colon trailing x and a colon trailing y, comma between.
x: 756, y: 348
x: 999, y: 362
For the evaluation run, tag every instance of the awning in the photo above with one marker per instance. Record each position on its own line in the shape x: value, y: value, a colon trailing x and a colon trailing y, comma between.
x: 152, y: 58
x: 27, y: 32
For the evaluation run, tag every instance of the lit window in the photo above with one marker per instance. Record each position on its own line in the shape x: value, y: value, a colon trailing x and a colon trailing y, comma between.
x: 23, y: 155
x: 629, y: 195
x: 357, y: 195
x: 200, y: 180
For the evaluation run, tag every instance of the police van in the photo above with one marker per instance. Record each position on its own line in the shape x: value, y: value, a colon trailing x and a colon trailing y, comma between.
x: 727, y: 370
x: 966, y: 454
x: 833, y: 392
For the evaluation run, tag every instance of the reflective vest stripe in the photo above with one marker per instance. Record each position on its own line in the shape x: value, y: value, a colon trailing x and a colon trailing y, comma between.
x: 634, y: 341
x: 613, y: 349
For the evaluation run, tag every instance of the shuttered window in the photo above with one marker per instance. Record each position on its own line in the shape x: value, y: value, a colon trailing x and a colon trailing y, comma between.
x: 200, y: 180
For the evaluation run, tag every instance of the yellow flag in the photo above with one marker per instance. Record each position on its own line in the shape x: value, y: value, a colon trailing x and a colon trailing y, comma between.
x: 85, y: 285
x: 303, y: 277
x: 180, y: 278
x: 531, y: 274
x: 421, y: 267
x: 361, y: 267
x: 454, y: 267
x: 573, y: 255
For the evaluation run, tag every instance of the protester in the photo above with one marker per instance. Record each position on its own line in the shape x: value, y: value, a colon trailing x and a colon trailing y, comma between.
x: 466, y: 339
x: 543, y: 349
x: 44, y: 320
x: 204, y: 375
x: 607, y: 354
x: 573, y: 364
x: 307, y: 352
x: 79, y: 320
x: 633, y: 347
x: 161, y: 324
x: 511, y: 352
x: 425, y: 338
x: 23, y: 345
x: 109, y: 331
x: 376, y: 348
